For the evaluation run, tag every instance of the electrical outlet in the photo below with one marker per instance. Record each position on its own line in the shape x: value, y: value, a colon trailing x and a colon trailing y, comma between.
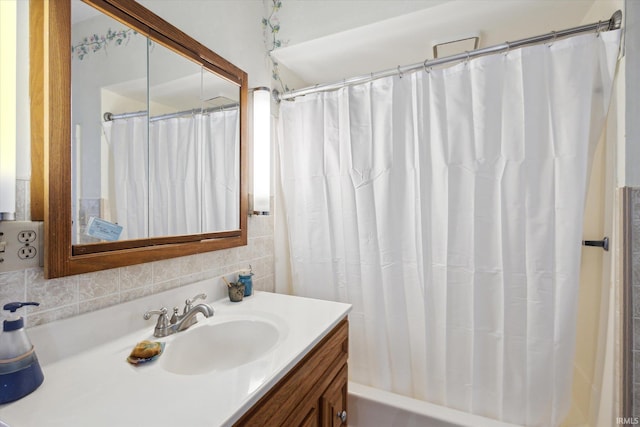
x: 21, y: 245
x: 27, y: 252
x: 27, y: 236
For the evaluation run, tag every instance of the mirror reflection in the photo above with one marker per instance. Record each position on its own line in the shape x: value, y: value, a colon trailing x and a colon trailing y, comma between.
x: 155, y: 137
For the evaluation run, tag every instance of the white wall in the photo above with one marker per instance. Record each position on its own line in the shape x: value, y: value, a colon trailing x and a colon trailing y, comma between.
x: 23, y: 132
x: 230, y: 28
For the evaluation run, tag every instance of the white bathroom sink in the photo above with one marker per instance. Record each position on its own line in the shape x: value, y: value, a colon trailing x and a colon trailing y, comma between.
x: 219, y: 346
x: 86, y: 373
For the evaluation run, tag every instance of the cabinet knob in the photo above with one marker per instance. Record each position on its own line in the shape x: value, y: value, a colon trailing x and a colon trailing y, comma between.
x: 343, y: 416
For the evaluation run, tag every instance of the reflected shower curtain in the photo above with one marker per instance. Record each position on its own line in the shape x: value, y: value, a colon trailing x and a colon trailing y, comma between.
x: 446, y: 206
x: 174, y: 176
x: 221, y: 169
x: 183, y: 180
x: 128, y: 175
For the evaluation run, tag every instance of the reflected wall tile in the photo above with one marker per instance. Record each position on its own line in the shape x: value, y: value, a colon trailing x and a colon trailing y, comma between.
x: 89, y: 207
x: 98, y: 284
x: 21, y: 200
x: 27, y: 196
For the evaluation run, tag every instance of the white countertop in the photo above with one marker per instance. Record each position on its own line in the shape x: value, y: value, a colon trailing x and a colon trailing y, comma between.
x: 89, y: 383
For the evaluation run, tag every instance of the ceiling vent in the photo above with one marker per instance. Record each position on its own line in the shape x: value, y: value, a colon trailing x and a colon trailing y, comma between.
x: 460, y: 44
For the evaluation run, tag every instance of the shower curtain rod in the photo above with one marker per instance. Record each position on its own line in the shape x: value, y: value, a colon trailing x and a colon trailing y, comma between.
x: 613, y: 23
x: 110, y: 116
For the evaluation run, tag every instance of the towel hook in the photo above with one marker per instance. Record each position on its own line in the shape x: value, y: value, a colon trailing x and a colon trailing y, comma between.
x: 604, y: 243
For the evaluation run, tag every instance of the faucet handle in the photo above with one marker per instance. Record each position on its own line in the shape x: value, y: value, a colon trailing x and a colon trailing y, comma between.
x: 188, y: 304
x: 162, y: 326
x: 162, y: 312
x: 175, y: 317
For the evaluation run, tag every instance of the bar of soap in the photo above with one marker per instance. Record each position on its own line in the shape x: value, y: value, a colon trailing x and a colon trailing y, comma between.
x: 145, y: 351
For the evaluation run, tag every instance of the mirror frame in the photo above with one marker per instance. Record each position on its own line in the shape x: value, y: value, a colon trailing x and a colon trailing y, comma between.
x: 51, y: 21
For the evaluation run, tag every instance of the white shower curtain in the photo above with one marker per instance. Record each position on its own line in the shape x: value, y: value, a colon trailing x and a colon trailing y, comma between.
x: 447, y: 207
x: 185, y: 180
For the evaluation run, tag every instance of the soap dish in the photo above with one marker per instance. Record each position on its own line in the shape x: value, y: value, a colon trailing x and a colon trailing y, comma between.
x: 141, y: 360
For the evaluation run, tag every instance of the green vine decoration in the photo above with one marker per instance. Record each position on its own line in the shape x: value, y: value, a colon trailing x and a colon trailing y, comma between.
x: 271, y: 29
x: 95, y: 43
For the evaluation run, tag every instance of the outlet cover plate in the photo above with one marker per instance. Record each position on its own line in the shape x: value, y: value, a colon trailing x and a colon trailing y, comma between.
x: 23, y: 244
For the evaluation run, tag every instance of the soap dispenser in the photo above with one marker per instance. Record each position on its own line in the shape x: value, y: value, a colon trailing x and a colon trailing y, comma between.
x: 20, y: 372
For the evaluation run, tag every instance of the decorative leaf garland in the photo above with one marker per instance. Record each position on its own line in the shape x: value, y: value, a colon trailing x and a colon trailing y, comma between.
x: 270, y: 30
x: 95, y: 43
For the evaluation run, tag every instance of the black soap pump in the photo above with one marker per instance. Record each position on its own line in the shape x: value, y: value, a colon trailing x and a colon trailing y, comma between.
x: 20, y: 371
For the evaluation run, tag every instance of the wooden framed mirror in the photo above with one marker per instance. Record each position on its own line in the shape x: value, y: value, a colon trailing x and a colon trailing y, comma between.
x: 67, y: 251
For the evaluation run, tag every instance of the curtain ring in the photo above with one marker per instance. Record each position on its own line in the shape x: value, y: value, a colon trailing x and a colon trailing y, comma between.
x: 466, y: 61
x: 553, y: 40
x: 598, y: 29
x: 508, y: 48
x: 426, y: 70
x: 400, y: 72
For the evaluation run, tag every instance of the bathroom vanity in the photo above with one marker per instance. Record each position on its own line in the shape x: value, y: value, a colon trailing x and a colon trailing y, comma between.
x: 313, y: 393
x: 271, y: 359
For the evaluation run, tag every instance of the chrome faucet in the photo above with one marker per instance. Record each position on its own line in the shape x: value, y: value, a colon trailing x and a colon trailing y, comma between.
x: 188, y: 305
x: 189, y: 318
x: 179, y: 322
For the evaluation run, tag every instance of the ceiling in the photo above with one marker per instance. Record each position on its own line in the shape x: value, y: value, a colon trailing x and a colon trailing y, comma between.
x: 408, y: 38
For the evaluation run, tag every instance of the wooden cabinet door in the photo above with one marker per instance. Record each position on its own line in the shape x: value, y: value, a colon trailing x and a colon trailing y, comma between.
x: 312, y: 419
x: 306, y: 415
x: 333, y: 402
x: 315, y: 386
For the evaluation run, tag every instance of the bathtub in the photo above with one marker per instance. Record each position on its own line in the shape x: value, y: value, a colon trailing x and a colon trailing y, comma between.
x: 370, y: 407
